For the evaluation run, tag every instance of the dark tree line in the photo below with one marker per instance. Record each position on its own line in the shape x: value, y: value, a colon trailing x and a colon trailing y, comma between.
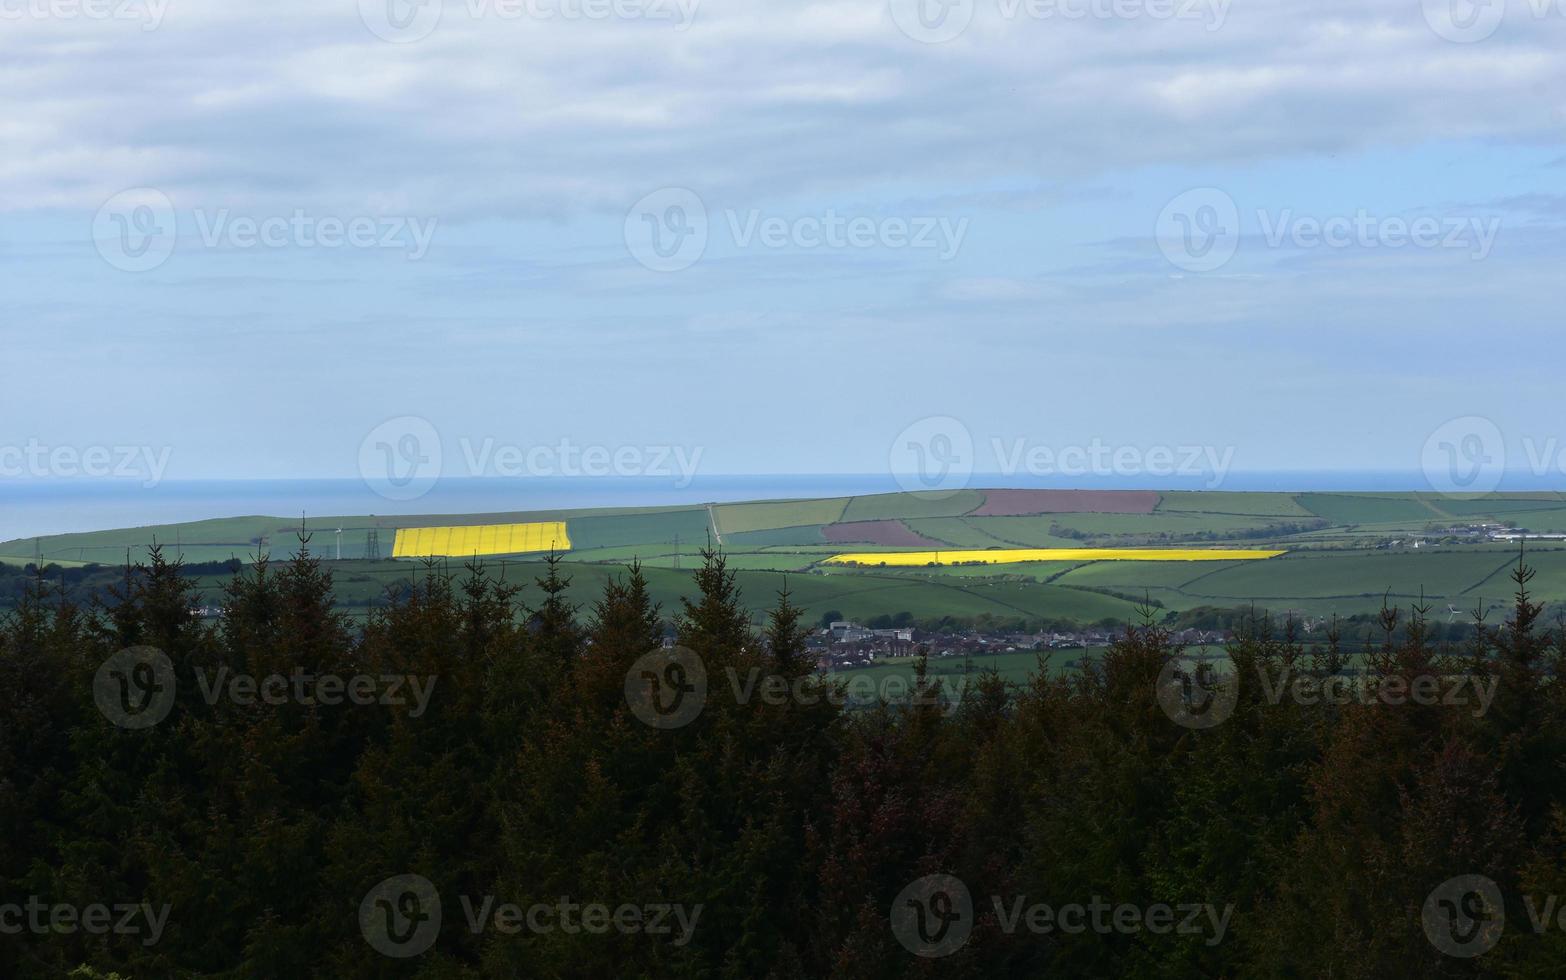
x: 797, y: 824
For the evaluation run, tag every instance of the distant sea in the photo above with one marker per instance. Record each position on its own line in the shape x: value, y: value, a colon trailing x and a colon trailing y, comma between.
x: 35, y: 507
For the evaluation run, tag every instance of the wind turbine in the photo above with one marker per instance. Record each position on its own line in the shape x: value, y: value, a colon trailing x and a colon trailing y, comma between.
x: 339, y: 544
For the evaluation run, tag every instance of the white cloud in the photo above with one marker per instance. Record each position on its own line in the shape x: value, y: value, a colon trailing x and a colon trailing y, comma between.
x: 299, y: 102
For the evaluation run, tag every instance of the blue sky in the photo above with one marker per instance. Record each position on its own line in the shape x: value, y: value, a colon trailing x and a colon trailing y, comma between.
x: 1020, y: 190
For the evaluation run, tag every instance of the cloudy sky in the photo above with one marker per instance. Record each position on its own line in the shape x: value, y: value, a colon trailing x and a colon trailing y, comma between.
x: 782, y: 233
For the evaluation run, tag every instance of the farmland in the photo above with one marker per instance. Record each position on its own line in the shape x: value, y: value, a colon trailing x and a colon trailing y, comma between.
x: 1005, y: 556
x: 1084, y: 558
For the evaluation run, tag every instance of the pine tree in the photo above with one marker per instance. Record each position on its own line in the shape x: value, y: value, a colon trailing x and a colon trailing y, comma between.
x: 555, y: 632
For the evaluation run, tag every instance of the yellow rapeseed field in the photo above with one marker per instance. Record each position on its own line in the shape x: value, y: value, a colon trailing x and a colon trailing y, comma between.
x: 1006, y: 556
x: 480, y: 539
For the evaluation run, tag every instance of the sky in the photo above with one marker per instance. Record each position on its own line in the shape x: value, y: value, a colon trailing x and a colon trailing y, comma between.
x: 284, y: 239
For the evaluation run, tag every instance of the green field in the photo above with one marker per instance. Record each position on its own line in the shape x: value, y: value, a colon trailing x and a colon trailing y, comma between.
x: 1344, y: 553
x: 1244, y: 504
x: 893, y: 506
x: 734, y: 518
x: 1381, y: 509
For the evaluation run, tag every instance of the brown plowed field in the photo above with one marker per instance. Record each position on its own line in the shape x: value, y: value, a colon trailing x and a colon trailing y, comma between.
x: 893, y: 534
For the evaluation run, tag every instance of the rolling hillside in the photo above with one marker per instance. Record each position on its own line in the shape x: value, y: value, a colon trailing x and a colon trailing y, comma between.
x: 1340, y: 553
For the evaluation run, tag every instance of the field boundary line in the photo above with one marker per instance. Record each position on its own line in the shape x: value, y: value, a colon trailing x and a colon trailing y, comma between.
x: 1508, y: 563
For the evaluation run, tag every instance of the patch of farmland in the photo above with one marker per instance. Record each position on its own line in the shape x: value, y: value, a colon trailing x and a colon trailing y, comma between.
x: 1540, y: 521
x: 627, y: 553
x: 734, y: 518
x: 1228, y: 502
x: 1549, y: 581
x: 894, y: 534
x: 476, y: 540
x: 1022, y: 532
x: 212, y: 540
x: 1008, y: 556
x: 777, y: 561
x: 1343, y: 508
x: 1325, y: 574
x: 890, y: 506
x: 818, y: 549
x: 1019, y: 503
x: 17, y: 561
x: 632, y: 529
x: 1496, y: 505
x: 1046, y: 601
x: 805, y: 534
x: 1035, y: 531
x: 956, y: 531
x: 1037, y: 570
x: 1141, y: 574
x: 861, y: 596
